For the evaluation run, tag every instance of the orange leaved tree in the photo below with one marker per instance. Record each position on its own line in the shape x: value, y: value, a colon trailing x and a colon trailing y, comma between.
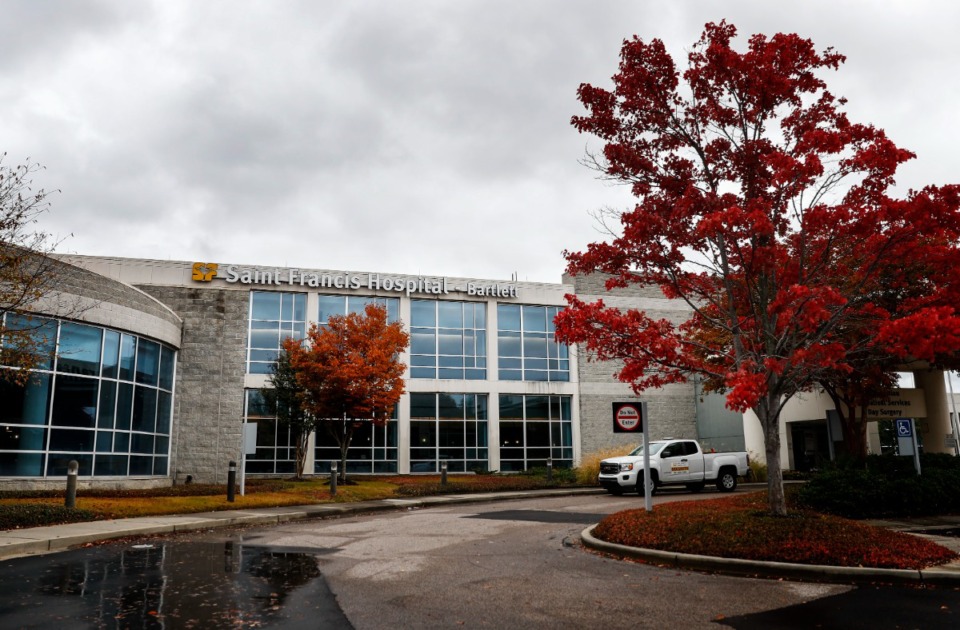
x: 350, y: 371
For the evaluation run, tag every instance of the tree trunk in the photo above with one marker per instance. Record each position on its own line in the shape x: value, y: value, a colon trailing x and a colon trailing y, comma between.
x: 344, y: 447
x: 854, y: 434
x: 852, y: 426
x: 346, y: 436
x: 770, y: 421
x: 302, y: 442
x: 341, y: 431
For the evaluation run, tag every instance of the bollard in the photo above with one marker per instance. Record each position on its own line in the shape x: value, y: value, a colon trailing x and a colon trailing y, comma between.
x: 443, y: 473
x: 550, y: 470
x: 333, y: 479
x: 232, y: 482
x: 71, y: 499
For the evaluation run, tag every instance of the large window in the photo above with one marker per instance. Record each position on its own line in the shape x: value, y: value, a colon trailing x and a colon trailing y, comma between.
x: 448, y: 340
x: 275, y: 452
x: 526, y: 347
x: 448, y: 427
x: 345, y: 304
x: 533, y: 429
x: 36, y: 335
x: 104, y: 398
x: 373, y: 449
x: 274, y: 316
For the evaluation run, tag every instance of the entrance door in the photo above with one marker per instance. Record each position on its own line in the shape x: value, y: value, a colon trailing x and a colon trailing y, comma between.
x: 810, y: 447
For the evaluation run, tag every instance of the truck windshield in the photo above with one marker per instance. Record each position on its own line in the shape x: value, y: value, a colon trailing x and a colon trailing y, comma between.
x: 654, y: 449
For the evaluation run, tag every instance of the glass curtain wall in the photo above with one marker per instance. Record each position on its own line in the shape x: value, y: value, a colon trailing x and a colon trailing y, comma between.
x: 448, y: 427
x: 276, y: 452
x: 345, y: 304
x: 533, y: 429
x: 274, y: 316
x: 373, y: 449
x: 98, y: 396
x: 527, y: 349
x: 448, y: 340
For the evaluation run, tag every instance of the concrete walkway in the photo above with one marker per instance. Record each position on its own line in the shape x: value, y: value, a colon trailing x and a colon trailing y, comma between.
x: 38, y: 540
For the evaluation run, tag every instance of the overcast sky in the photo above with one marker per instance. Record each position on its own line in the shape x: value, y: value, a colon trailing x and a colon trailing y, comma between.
x: 406, y: 137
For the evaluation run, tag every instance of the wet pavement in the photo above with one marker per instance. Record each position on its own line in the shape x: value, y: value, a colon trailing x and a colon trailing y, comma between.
x: 867, y: 608
x: 194, y: 582
x: 164, y: 584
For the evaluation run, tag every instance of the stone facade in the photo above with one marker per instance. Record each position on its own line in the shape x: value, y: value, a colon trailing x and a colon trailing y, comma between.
x: 86, y: 296
x: 671, y: 410
x: 76, y: 281
x: 208, y: 408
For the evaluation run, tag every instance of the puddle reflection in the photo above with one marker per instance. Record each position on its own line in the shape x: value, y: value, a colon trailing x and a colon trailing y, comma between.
x: 168, y: 585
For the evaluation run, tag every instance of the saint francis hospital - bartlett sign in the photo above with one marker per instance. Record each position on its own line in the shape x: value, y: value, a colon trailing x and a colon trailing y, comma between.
x: 232, y: 274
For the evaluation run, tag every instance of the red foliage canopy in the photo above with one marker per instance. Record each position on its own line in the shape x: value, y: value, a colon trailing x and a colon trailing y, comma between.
x: 767, y: 211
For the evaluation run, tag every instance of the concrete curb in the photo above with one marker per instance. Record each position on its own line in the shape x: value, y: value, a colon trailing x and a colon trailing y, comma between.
x: 38, y: 540
x: 764, y: 569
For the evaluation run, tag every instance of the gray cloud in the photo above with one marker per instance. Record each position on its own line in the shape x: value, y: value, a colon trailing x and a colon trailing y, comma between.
x: 424, y: 136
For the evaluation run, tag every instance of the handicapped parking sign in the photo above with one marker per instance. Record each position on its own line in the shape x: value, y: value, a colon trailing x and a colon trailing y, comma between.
x: 907, y: 441
x: 904, y: 428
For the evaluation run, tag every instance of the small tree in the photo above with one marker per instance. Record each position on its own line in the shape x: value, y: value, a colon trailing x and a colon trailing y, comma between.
x: 285, y: 400
x: 350, y: 372
x: 764, y: 209
x: 26, y: 271
x: 884, y: 335
x: 852, y: 394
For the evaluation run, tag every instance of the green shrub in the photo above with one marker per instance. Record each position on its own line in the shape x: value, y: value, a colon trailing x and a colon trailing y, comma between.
x: 885, y: 487
x: 561, y: 475
x: 796, y: 475
x: 480, y: 469
x: 20, y: 515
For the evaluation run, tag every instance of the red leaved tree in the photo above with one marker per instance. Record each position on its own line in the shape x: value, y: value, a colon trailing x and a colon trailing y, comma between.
x: 765, y: 210
x: 350, y: 372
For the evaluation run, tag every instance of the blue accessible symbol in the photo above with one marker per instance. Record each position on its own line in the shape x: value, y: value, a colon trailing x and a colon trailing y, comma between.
x: 904, y: 428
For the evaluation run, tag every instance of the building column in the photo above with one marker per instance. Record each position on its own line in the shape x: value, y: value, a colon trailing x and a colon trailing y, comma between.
x: 936, y: 426
x: 493, y: 378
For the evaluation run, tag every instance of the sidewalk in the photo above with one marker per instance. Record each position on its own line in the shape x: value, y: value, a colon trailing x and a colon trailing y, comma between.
x: 39, y: 540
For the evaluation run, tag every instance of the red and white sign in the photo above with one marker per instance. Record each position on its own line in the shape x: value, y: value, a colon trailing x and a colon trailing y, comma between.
x: 626, y: 418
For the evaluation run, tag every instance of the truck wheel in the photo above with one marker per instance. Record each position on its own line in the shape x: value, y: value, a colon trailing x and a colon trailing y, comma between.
x: 654, y: 484
x: 696, y: 487
x: 727, y: 480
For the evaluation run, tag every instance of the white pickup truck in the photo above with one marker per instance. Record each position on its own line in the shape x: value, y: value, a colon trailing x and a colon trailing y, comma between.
x: 673, y: 462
